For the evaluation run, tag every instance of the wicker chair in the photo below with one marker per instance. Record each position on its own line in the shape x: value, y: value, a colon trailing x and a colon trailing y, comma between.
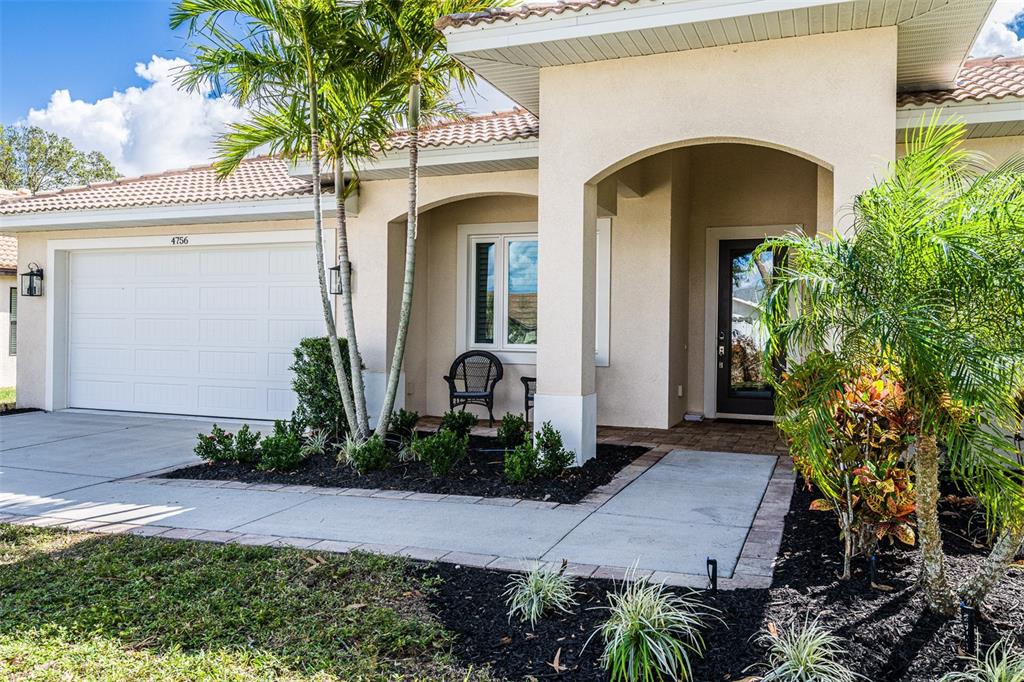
x: 529, y: 387
x: 472, y: 379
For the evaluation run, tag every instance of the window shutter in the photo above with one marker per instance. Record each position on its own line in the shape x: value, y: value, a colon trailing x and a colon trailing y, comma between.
x: 12, y: 338
x: 483, y: 292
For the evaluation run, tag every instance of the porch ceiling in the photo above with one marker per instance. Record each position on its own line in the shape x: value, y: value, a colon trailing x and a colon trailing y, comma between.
x: 508, y: 48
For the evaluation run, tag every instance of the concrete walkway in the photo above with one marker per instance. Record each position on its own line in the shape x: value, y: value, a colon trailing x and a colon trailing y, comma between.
x: 666, y: 514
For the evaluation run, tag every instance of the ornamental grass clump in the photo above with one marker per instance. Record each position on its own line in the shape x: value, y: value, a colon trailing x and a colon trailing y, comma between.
x: 651, y: 633
x: 1000, y: 664
x: 540, y: 591
x: 804, y: 653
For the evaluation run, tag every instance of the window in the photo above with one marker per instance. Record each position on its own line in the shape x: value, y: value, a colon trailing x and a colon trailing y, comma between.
x: 498, y: 290
x: 12, y: 332
x: 504, y: 291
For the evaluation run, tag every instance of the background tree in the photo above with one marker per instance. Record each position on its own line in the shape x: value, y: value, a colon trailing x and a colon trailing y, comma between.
x: 40, y: 161
x: 932, y: 280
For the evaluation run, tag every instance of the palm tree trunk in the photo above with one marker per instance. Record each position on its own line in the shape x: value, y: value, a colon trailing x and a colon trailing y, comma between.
x: 318, y: 244
x: 347, y: 315
x: 995, y: 566
x: 934, y: 581
x: 410, y: 264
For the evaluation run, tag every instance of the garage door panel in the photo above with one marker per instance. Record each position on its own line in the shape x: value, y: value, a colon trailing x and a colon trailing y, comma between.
x: 232, y: 333
x: 105, y: 360
x: 294, y: 300
x: 228, y: 364
x: 98, y: 330
x: 293, y: 261
x: 100, y: 393
x: 232, y: 263
x: 96, y: 299
x: 166, y: 299
x: 290, y: 332
x: 163, y: 395
x: 180, y: 265
x: 228, y: 299
x: 230, y: 399
x: 165, y: 330
x: 205, y: 331
x: 166, y: 362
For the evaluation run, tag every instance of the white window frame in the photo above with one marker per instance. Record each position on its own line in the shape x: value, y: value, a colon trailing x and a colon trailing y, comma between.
x: 501, y: 234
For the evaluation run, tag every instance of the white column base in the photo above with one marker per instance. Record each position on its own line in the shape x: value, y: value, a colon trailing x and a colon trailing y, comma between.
x: 376, y: 384
x: 575, y: 417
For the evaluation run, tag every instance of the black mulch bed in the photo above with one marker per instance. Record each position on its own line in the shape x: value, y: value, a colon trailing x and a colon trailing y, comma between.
x: 889, y: 635
x: 481, y: 473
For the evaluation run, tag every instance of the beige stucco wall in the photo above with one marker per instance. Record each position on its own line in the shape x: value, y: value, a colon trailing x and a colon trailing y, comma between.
x: 829, y: 99
x: 8, y: 362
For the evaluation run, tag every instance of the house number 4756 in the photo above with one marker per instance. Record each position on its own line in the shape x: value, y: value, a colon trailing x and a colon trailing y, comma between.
x: 179, y: 241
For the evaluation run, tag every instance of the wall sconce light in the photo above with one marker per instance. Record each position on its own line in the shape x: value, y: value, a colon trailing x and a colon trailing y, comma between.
x: 32, y: 281
x: 334, y: 279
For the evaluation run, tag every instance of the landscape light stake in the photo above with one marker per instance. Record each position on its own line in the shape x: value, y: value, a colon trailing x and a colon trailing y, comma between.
x: 873, y: 569
x: 968, y: 617
x: 713, y: 574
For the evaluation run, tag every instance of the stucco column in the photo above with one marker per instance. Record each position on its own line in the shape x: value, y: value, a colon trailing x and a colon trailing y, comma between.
x: 566, y: 284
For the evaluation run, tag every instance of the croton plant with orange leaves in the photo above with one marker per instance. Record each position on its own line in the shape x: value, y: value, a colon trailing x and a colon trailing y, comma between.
x: 858, y: 460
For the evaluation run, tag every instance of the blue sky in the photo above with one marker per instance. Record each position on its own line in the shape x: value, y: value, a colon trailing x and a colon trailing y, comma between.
x: 89, y: 47
x: 101, y: 72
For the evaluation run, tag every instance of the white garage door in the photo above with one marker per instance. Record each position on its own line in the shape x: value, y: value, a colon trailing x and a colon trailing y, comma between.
x: 190, y: 330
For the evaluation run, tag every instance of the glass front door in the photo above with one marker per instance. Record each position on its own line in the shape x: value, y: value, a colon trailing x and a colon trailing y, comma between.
x: 739, y: 353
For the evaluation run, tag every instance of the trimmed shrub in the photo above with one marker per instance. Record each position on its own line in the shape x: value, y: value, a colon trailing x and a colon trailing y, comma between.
x: 247, y: 445
x: 440, y: 451
x: 552, y: 458
x: 513, y: 431
x: 281, y: 451
x: 458, y: 422
x: 217, y: 446
x: 521, y: 463
x: 372, y: 454
x: 402, y: 426
x: 316, y: 385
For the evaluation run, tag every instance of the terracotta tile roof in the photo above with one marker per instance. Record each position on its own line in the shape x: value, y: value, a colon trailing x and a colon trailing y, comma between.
x: 257, y: 178
x: 525, y: 11
x: 516, y: 124
x: 987, y: 78
x: 8, y: 254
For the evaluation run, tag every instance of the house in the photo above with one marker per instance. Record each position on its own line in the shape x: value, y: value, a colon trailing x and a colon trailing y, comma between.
x: 8, y: 310
x: 608, y: 255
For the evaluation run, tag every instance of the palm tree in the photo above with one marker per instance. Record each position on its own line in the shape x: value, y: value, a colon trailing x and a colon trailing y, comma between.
x: 356, y: 116
x: 274, y: 56
x: 426, y: 73
x: 932, y: 279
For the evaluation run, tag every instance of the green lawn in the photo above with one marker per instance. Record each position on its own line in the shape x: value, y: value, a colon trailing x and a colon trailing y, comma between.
x: 78, y: 606
x: 7, y: 394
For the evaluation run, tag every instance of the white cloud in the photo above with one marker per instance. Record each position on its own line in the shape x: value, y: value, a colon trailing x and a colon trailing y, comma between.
x: 996, y: 38
x: 143, y: 129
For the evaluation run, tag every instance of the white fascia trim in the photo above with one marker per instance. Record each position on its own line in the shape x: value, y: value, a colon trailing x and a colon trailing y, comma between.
x: 610, y: 19
x: 170, y: 214
x: 442, y: 156
x: 971, y: 113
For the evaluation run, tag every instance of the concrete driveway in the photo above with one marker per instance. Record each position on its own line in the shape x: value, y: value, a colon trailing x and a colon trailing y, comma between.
x: 88, y: 471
